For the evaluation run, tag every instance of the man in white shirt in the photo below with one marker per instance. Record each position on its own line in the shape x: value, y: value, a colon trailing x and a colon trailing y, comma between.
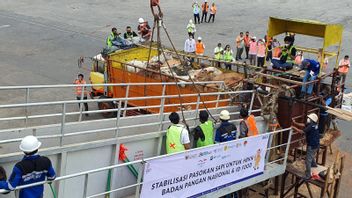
x: 190, y: 45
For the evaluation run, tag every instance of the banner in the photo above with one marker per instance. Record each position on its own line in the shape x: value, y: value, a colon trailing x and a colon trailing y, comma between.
x: 201, y: 171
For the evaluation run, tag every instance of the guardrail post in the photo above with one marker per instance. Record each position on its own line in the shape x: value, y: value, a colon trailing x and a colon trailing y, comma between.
x: 139, y: 179
x: 161, y: 119
x: 197, y: 110
x: 81, y: 103
x: 26, y: 109
x: 287, y: 147
x: 218, y: 98
x: 63, y: 120
x: 252, y: 101
x: 125, y: 103
x: 85, y: 185
x: 61, y: 183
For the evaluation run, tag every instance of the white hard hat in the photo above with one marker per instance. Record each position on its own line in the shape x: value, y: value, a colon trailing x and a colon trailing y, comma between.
x: 199, y: 38
x: 30, y: 144
x: 254, y: 37
x: 313, y: 117
x: 141, y: 20
x: 190, y: 21
x: 225, y: 115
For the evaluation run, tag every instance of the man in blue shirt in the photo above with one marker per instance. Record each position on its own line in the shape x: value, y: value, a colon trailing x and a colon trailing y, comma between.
x: 313, y: 141
x: 227, y: 131
x: 312, y: 69
x: 31, y: 169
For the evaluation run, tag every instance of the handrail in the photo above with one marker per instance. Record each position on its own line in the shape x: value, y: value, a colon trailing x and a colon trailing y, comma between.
x: 86, y: 173
x: 105, y: 84
x: 124, y: 99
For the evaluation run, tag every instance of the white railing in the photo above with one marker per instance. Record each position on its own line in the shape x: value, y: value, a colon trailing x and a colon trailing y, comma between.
x: 85, y: 175
x: 54, y: 90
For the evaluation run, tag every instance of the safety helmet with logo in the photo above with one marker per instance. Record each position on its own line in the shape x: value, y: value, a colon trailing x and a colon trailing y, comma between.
x: 313, y: 117
x: 30, y: 144
x: 224, y: 115
x: 141, y: 20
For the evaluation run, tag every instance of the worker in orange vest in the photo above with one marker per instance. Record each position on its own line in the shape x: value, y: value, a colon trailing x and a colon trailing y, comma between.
x: 200, y: 47
x: 246, y: 39
x: 205, y: 8
x: 344, y: 66
x: 248, y: 126
x: 213, y: 10
x: 80, y: 81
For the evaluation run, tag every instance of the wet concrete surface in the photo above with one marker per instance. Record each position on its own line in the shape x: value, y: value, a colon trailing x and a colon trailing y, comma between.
x: 41, y: 40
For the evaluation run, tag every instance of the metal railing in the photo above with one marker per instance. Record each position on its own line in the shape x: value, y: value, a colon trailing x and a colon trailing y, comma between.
x: 85, y: 174
x: 63, y: 104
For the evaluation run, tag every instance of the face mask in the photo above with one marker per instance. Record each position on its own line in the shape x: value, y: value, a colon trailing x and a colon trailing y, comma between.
x: 308, y: 120
x: 286, y: 45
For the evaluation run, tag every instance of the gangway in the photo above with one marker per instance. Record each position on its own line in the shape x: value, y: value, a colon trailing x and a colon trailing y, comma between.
x: 83, y: 151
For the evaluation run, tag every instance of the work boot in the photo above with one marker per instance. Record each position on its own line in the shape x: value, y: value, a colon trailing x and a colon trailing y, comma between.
x: 307, y: 177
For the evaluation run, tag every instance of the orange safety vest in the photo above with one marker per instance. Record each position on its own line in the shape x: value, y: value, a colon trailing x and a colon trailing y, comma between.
x: 199, y: 48
x: 261, y: 50
x: 252, y: 47
x: 344, y: 66
x: 251, y: 125
x: 79, y: 88
x: 213, y: 10
x: 205, y: 8
x: 298, y: 60
x: 276, y: 52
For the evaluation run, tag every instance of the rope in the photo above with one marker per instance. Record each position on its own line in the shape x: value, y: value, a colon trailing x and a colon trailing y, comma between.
x: 53, y: 191
x: 189, y: 76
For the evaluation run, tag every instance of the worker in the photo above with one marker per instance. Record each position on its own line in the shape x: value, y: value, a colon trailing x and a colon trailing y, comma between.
x: 246, y: 40
x: 261, y: 52
x: 218, y: 54
x: 269, y: 46
x: 213, y: 10
x: 33, y: 168
x: 144, y: 30
x: 312, y: 69
x: 228, y: 57
x: 239, y: 46
x: 253, y: 48
x: 191, y: 28
x: 291, y: 49
x: 299, y: 58
x: 200, y: 47
x: 205, y: 8
x: 80, y: 81
x: 281, y: 63
x: 248, y: 125
x: 204, y: 133
x: 112, y: 37
x: 177, y: 138
x: 227, y: 131
x: 129, y: 34
x: 344, y: 66
x: 196, y: 10
x: 311, y: 131
x: 190, y: 45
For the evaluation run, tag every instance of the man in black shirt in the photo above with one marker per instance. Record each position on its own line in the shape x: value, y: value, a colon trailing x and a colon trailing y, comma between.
x: 129, y: 34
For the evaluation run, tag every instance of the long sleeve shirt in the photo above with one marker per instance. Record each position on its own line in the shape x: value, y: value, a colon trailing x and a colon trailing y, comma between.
x: 31, y: 169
